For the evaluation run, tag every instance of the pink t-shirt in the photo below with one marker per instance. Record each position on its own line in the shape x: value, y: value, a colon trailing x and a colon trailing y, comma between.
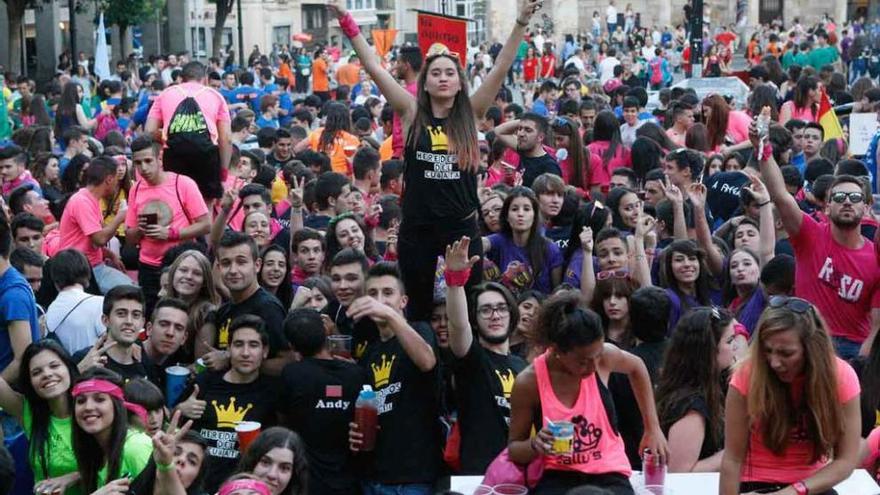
x: 806, y: 113
x: 738, y: 126
x: 597, y: 448
x: 82, y: 217
x: 169, y: 199
x: 841, y: 282
x: 397, y: 137
x: 213, y: 105
x: 761, y: 464
x: 600, y: 170
x: 873, y: 452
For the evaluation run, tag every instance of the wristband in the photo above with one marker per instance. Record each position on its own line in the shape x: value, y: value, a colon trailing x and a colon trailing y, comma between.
x: 523, y: 24
x: 766, y: 151
x: 765, y: 203
x: 173, y: 234
x: 349, y: 26
x: 800, y: 488
x: 164, y: 467
x: 457, y: 278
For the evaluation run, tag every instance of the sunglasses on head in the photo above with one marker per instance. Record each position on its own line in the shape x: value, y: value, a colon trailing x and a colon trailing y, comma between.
x: 854, y: 197
x: 795, y: 304
x: 608, y: 274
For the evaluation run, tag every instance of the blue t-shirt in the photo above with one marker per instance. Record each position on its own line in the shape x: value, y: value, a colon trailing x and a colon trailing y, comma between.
x: 519, y: 276
x: 250, y: 95
x: 17, y: 303
x: 264, y: 122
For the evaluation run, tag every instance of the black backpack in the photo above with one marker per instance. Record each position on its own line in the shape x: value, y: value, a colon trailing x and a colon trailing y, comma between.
x: 188, y: 132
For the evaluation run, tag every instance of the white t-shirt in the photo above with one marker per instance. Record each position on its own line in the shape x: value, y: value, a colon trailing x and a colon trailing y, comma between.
x: 611, y: 15
x: 648, y: 52
x: 82, y: 326
x: 606, y: 68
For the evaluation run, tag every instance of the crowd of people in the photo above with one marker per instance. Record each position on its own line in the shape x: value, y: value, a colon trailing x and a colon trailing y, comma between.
x: 694, y: 283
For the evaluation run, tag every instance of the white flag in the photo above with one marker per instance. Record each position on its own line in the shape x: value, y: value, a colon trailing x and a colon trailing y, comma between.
x: 102, y: 56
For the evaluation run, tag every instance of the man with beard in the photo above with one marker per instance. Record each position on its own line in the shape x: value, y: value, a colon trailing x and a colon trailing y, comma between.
x: 837, y: 269
x: 526, y: 136
x: 485, y: 369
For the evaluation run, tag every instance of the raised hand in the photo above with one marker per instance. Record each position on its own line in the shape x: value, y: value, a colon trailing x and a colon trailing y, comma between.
x: 672, y: 192
x: 296, y: 194
x: 586, y: 238
x: 229, y: 197
x: 192, y: 407
x: 758, y: 189
x: 457, y: 255
x: 165, y: 442
x: 97, y: 354
x: 644, y: 225
x: 336, y: 8
x: 697, y: 193
x: 115, y: 487
x: 527, y: 9
x: 392, y: 234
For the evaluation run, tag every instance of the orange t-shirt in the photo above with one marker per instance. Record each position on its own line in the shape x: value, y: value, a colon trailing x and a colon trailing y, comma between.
x: 338, y: 161
x: 320, y: 81
x: 285, y: 72
x: 386, y: 150
x: 348, y: 74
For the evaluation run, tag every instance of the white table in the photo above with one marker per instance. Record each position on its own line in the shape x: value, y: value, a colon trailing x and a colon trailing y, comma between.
x: 859, y: 483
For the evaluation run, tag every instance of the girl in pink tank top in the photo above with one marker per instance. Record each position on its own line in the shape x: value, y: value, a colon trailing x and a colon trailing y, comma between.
x: 567, y: 383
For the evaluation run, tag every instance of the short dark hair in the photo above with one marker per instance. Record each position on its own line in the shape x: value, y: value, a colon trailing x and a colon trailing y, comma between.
x: 778, y: 274
x: 169, y: 302
x: 13, y: 151
x: 304, y: 115
x: 305, y: 330
x: 18, y: 198
x: 795, y: 124
x: 329, y: 185
x: 349, y: 256
x: 851, y: 166
x: 22, y: 257
x: 305, y: 234
x: 816, y: 168
x: 548, y: 85
x: 253, y: 189
x: 232, y: 239
x: 817, y: 126
x: 539, y: 120
x: 630, y: 102
x: 494, y: 114
x: 649, y: 313
x: 365, y: 160
x: 385, y: 269
x: 411, y: 55
x: 145, y: 141
x: 72, y: 133
x: 144, y: 393
x: 629, y: 173
x: 69, y: 267
x: 515, y: 109
x: 193, y: 71
x: 791, y: 176
x: 98, y: 170
x: 266, y: 137
x: 119, y: 293
x: 687, y: 158
x: 391, y: 169
x: 249, y: 321
x: 298, y: 132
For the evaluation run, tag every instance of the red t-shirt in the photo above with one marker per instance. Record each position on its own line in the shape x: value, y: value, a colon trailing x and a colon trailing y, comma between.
x: 82, y: 217
x: 530, y: 69
x: 842, y: 283
x: 761, y: 464
x: 600, y: 171
x: 548, y: 66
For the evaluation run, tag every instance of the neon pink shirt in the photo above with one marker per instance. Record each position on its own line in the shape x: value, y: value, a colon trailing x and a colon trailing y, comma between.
x: 873, y: 452
x: 738, y: 126
x: 598, y: 449
x: 761, y: 464
x: 806, y: 114
x: 82, y: 217
x: 841, y: 282
x: 24, y: 178
x: 213, y: 105
x: 397, y: 137
x: 601, y: 171
x: 178, y: 202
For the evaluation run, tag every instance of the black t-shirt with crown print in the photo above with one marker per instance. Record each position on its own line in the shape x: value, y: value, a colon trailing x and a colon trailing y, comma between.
x: 484, y: 381
x: 227, y: 404
x: 408, y: 446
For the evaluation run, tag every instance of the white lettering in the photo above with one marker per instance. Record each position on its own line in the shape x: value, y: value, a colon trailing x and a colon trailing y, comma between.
x: 827, y: 270
x: 338, y: 404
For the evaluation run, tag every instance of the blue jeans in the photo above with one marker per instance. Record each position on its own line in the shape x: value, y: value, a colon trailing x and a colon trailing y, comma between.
x: 109, y: 277
x: 845, y: 348
x: 371, y: 488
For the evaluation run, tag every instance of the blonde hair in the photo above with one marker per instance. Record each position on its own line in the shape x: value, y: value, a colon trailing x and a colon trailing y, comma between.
x: 769, y: 401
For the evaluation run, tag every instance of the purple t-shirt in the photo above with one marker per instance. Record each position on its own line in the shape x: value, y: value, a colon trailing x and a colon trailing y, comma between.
x: 513, y: 262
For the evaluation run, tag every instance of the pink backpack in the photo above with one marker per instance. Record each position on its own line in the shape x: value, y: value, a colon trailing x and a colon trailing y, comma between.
x: 106, y: 122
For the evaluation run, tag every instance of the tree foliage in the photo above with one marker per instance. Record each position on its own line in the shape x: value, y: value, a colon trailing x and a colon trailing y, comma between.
x: 126, y: 13
x: 224, y: 7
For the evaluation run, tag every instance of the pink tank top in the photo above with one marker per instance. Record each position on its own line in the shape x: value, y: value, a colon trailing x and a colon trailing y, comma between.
x: 597, y: 448
x: 806, y: 114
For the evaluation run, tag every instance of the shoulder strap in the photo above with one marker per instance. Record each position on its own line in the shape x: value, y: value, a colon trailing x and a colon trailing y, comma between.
x: 179, y: 200
x: 52, y: 332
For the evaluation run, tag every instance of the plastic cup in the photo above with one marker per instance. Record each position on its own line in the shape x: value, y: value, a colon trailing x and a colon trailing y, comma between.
x: 247, y: 431
x: 563, y: 436
x: 350, y: 151
x: 509, y: 489
x: 340, y: 345
x: 175, y: 384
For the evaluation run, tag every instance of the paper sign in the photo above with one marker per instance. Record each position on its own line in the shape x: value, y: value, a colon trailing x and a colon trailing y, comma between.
x: 862, y: 127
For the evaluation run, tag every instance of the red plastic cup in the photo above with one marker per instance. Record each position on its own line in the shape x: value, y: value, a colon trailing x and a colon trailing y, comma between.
x: 247, y: 432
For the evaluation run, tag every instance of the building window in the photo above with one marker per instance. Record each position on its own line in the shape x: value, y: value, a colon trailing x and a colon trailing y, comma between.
x: 226, y: 39
x: 281, y: 35
x: 313, y: 17
x: 199, y: 41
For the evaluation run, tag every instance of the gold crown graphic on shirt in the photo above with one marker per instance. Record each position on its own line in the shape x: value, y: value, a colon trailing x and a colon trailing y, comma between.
x: 439, y: 141
x: 382, y: 372
x: 506, y: 379
x: 229, y: 416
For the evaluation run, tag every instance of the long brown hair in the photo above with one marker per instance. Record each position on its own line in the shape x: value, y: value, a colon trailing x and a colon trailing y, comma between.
x: 577, y: 152
x: 769, y: 399
x: 461, y: 128
x: 717, y: 123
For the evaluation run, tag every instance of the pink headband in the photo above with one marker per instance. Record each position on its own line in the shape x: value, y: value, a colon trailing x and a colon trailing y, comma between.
x: 105, y: 387
x: 245, y: 484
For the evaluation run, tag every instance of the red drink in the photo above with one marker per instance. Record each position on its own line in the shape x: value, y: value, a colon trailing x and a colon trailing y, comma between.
x: 366, y: 416
x: 654, y: 469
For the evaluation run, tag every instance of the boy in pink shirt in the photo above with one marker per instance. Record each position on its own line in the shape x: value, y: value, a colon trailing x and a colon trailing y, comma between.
x: 82, y: 224
x: 13, y: 170
x: 164, y: 209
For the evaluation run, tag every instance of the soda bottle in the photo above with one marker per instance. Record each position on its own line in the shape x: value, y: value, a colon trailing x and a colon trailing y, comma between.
x: 366, y: 416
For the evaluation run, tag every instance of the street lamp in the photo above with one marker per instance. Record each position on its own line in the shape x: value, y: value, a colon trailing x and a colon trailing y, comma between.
x: 71, y: 21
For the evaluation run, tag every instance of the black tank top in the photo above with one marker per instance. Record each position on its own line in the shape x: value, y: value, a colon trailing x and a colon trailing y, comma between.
x: 436, y: 190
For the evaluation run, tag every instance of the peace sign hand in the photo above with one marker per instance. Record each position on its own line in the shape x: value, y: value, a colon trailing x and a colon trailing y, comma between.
x: 697, y: 194
x: 97, y: 354
x: 229, y: 197
x: 297, y: 193
x: 165, y: 442
x: 758, y: 190
x: 457, y: 256
x: 672, y: 192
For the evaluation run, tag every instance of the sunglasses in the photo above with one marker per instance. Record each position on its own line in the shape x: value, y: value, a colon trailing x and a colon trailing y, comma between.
x: 795, y: 304
x: 854, y: 197
x: 609, y: 274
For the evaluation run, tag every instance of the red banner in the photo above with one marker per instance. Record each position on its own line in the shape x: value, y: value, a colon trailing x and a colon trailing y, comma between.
x: 449, y: 31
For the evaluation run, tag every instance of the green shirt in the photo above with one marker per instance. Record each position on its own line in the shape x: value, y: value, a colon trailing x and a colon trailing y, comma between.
x: 135, y: 454
x: 820, y: 57
x: 787, y: 59
x: 523, y: 50
x: 60, y: 459
x: 802, y: 59
x: 5, y: 126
